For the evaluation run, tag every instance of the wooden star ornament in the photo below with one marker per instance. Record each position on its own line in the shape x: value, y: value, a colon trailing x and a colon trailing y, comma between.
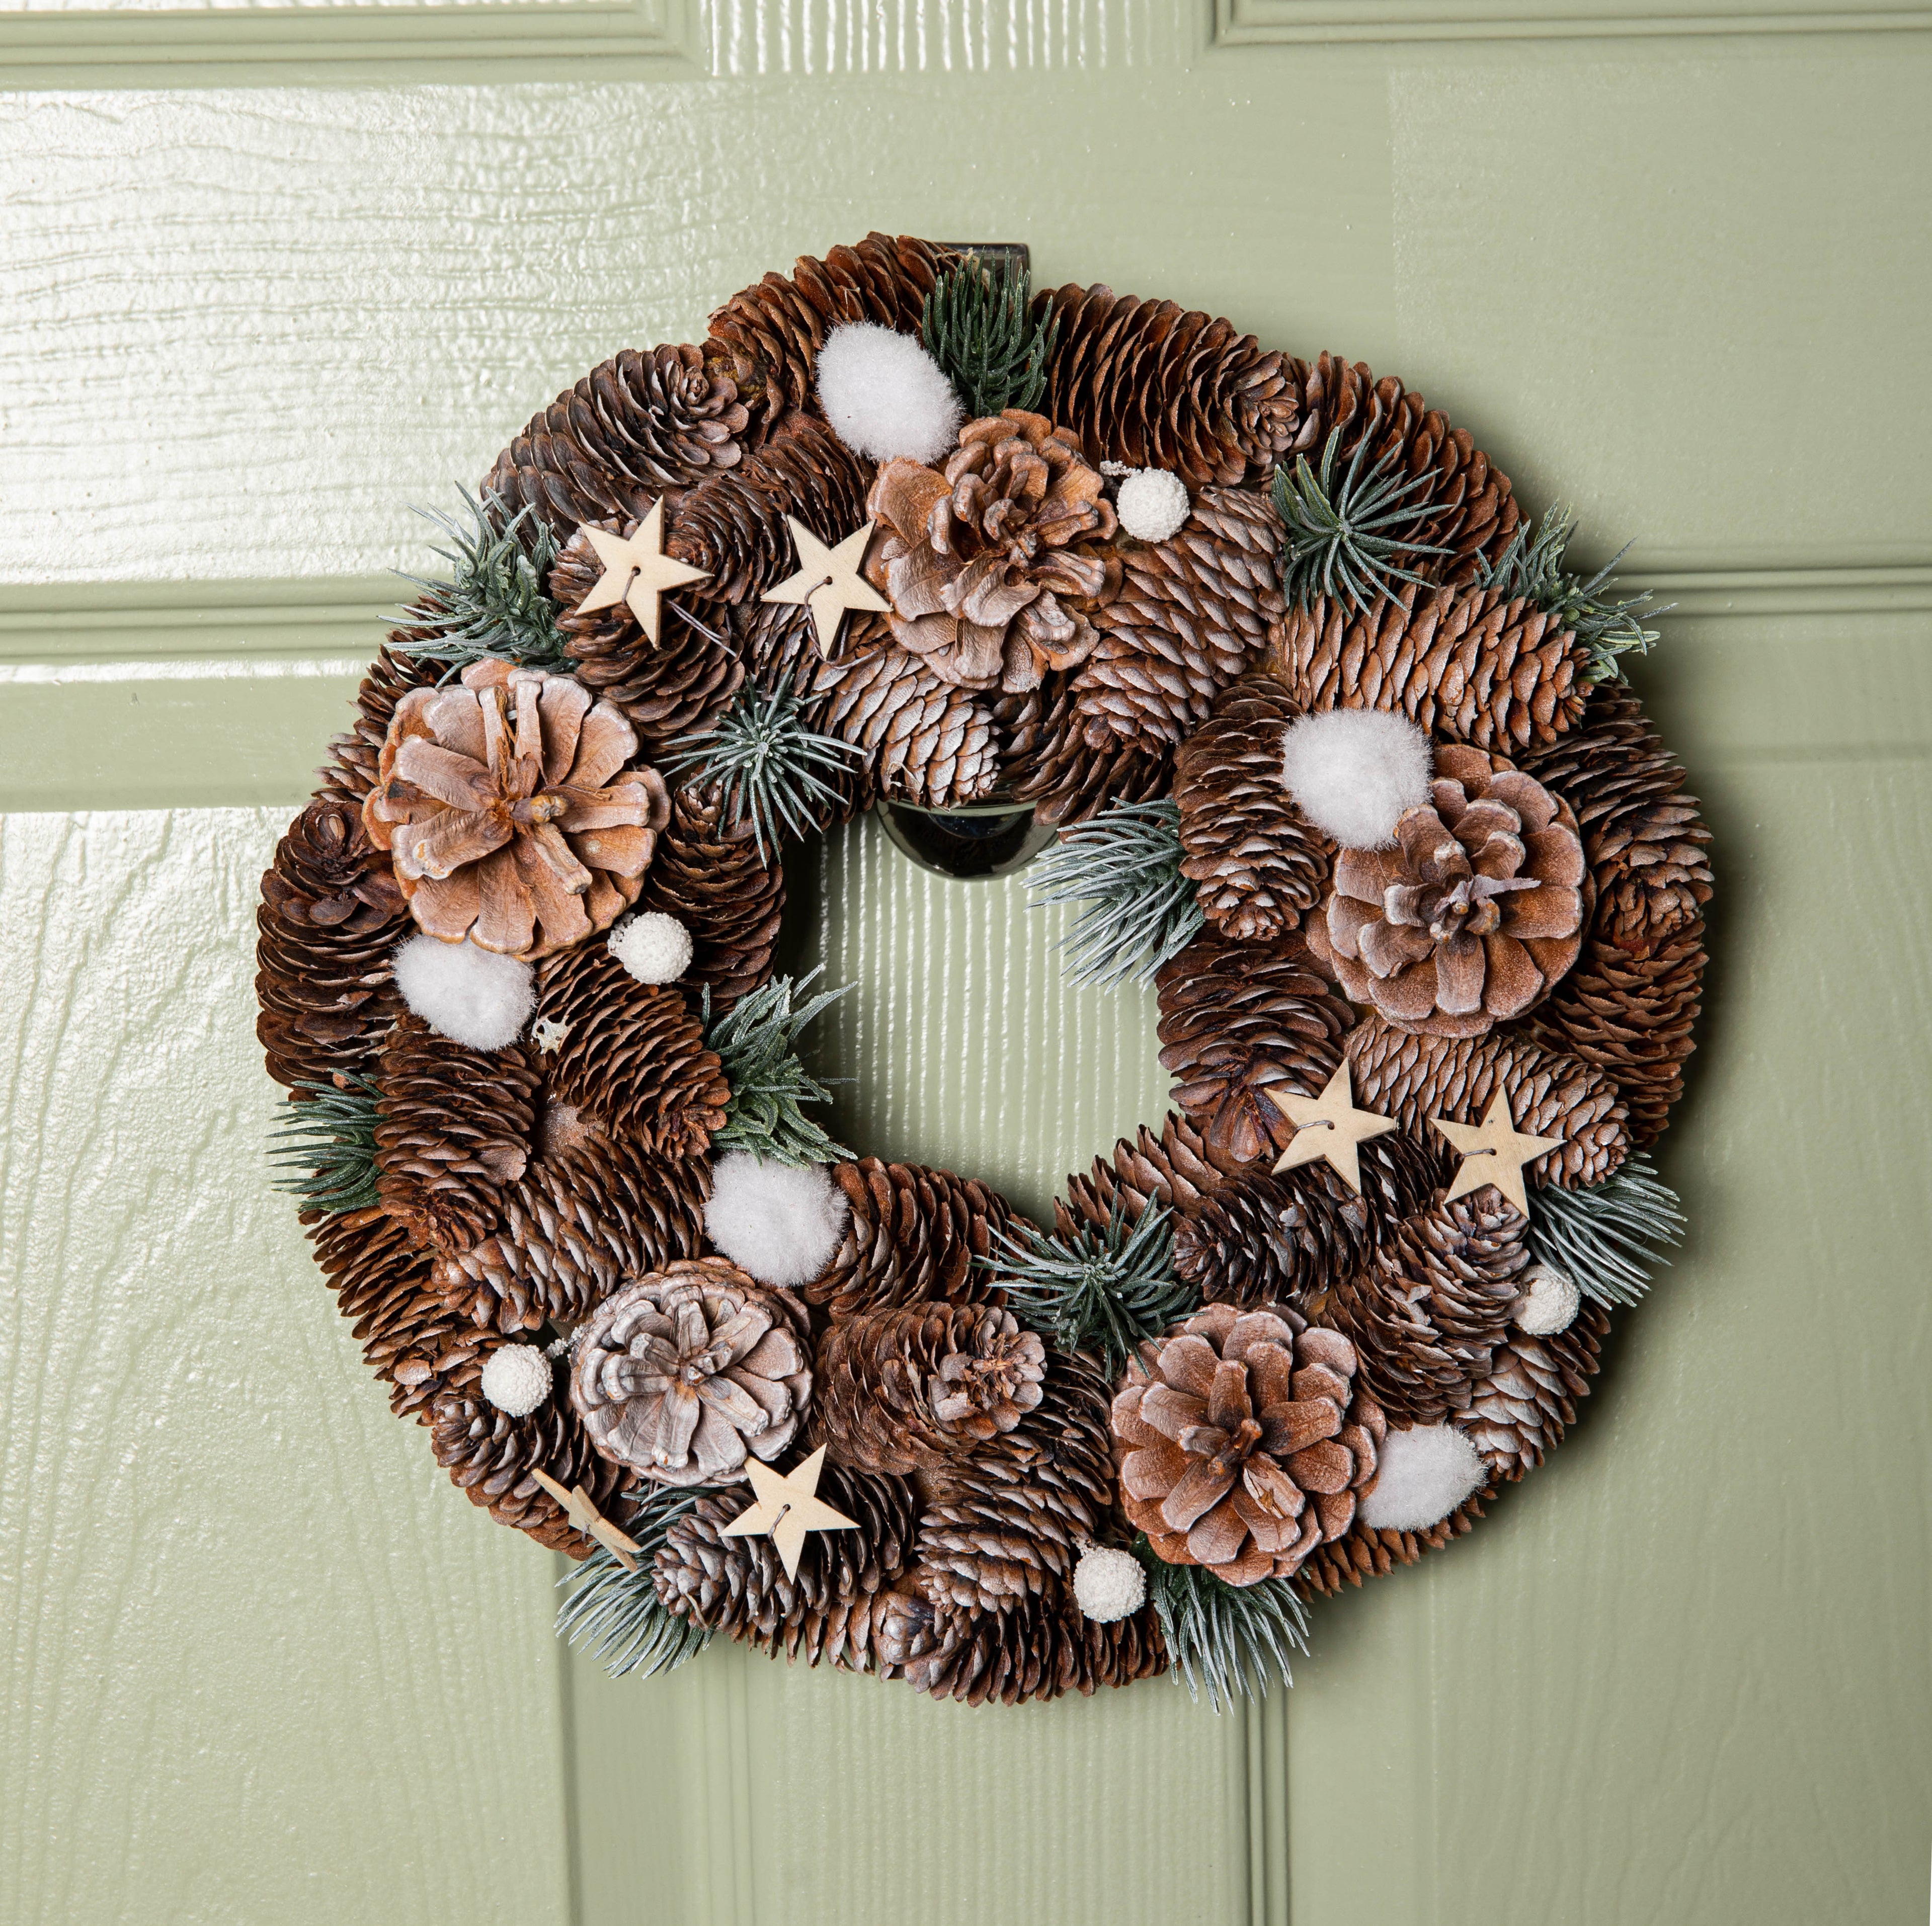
x: 636, y: 569
x: 1328, y: 1126
x: 1494, y: 1151
x: 787, y: 1509
x: 592, y: 1523
x: 828, y: 581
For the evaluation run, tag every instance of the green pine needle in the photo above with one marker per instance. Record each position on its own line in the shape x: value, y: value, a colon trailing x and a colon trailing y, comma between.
x: 767, y: 762
x: 1226, y: 1640
x: 1124, y: 864
x: 1608, y: 626
x: 756, y: 1039
x: 1343, y: 538
x: 975, y: 325
x: 494, y: 603
x: 1607, y: 1239
x: 616, y: 1614
x: 1103, y: 1292
x: 325, y: 1144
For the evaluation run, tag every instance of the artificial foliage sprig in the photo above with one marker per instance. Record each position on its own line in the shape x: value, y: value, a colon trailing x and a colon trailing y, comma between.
x: 1606, y: 1239
x: 1343, y: 536
x: 1227, y: 1641
x: 615, y: 1613
x: 493, y: 601
x: 325, y: 1143
x: 974, y: 325
x: 1608, y: 626
x: 1124, y: 864
x: 1101, y: 1291
x: 756, y: 1040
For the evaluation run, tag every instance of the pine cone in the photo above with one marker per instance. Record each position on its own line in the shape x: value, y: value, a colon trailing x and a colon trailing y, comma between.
x: 1477, y: 911
x: 1255, y: 861
x: 1364, y: 1552
x: 1519, y: 1411
x: 685, y: 1373
x: 1041, y: 1647
x: 1172, y: 1167
x: 1414, y: 1079
x: 1194, y: 613
x: 1243, y: 1439
x: 911, y: 1239
x: 350, y: 773
x: 1048, y: 760
x: 1142, y: 382
x: 635, y: 425
x: 1468, y: 665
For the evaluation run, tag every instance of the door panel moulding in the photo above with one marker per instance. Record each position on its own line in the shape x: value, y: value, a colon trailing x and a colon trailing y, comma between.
x: 1241, y: 25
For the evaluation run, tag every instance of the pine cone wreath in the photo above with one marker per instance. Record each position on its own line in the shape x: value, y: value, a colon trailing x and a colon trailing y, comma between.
x: 1519, y: 1410
x: 1068, y: 773
x: 1170, y: 1169
x: 1041, y: 1648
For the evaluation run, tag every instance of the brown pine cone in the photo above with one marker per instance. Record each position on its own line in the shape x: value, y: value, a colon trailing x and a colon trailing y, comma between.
x: 1469, y: 665
x: 1043, y: 1647
x: 635, y: 425
x: 1193, y: 613
x: 1518, y: 1412
x: 1171, y: 1168
x: 1364, y: 1551
x: 1142, y: 382
x: 911, y: 1239
x: 350, y: 773
x: 1414, y: 1079
x: 1255, y: 862
x: 1048, y: 760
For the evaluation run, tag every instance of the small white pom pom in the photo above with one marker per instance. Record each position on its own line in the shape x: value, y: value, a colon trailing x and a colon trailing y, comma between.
x: 516, y: 1379
x: 1421, y: 1476
x: 1153, y: 504
x: 1550, y: 1302
x: 654, y: 947
x: 472, y: 996
x: 1108, y: 1583
x: 1353, y: 772
x: 885, y: 396
x: 780, y: 1224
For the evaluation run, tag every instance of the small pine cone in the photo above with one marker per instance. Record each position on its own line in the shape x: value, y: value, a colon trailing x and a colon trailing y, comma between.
x: 771, y: 333
x: 1255, y: 862
x: 911, y: 1239
x: 1172, y: 1167
x: 1647, y: 847
x: 633, y: 1055
x: 1518, y: 1412
x: 1413, y: 1078
x: 1266, y: 1239
x: 1141, y: 381
x: 491, y: 1455
x: 1048, y: 760
x: 1238, y: 1020
x: 1631, y: 1015
x: 1194, y: 613
x: 351, y: 771
x: 330, y: 917
x: 454, y: 1127
x: 1043, y: 1647
x: 1364, y: 1552
x: 728, y: 892
x: 1468, y: 665
x: 635, y: 425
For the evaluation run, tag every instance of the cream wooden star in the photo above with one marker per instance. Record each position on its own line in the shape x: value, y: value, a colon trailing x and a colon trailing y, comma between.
x: 1494, y: 1152
x: 636, y: 569
x: 1328, y: 1126
x: 589, y: 1520
x: 828, y: 581
x: 786, y: 1510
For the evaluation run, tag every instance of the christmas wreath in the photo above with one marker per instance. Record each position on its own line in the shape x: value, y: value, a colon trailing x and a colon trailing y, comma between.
x: 1333, y: 747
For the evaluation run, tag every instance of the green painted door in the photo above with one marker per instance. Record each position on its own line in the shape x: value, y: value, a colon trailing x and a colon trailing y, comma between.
x: 272, y: 273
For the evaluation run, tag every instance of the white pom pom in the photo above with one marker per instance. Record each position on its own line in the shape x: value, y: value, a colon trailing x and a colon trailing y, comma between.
x: 780, y: 1224
x: 654, y: 947
x: 516, y: 1379
x: 885, y: 396
x: 1108, y: 1583
x: 470, y: 995
x: 1421, y: 1476
x: 1550, y: 1302
x: 1152, y: 504
x: 1353, y: 771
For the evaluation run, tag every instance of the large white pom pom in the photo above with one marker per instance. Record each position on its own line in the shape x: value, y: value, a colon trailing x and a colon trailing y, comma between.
x: 1152, y: 504
x: 516, y: 1379
x: 1550, y: 1302
x: 1353, y: 772
x: 780, y: 1224
x: 654, y: 947
x: 885, y: 396
x: 1421, y: 1476
x: 1108, y: 1583
x: 472, y: 996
